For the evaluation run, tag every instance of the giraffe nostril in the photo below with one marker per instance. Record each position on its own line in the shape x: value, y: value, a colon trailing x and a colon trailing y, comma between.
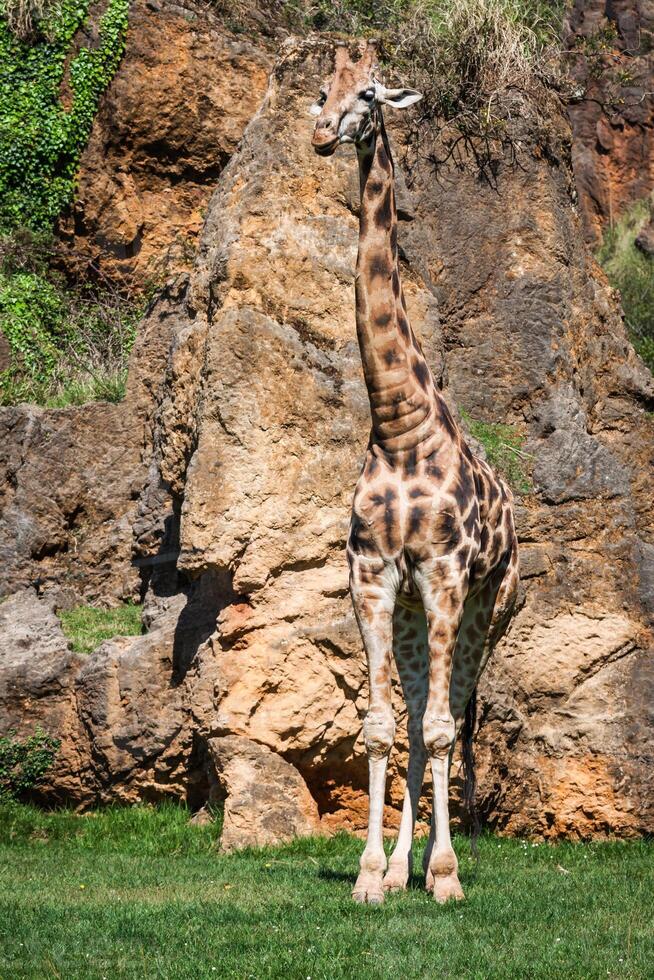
x: 325, y: 134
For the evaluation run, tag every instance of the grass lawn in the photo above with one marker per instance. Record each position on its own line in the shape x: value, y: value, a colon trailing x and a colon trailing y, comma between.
x: 87, y: 627
x: 140, y: 893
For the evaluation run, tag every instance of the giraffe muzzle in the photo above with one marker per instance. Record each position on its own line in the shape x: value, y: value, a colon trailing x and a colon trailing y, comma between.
x: 325, y: 148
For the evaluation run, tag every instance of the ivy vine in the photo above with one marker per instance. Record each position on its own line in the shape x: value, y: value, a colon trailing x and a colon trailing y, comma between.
x: 41, y: 139
x: 32, y: 317
x: 65, y: 345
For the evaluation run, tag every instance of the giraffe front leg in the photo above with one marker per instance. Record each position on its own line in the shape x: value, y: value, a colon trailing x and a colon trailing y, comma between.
x: 400, y: 864
x: 442, y: 877
x: 444, y: 608
x: 410, y: 649
x: 373, y: 606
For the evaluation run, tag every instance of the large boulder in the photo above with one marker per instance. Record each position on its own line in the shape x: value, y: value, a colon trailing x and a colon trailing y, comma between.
x: 531, y: 336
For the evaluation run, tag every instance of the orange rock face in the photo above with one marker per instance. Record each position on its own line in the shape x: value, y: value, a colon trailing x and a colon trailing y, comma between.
x: 168, y: 124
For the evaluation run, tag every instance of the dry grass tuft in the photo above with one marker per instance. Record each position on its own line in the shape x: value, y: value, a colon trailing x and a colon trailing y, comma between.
x: 470, y: 53
x: 480, y: 64
x: 23, y: 16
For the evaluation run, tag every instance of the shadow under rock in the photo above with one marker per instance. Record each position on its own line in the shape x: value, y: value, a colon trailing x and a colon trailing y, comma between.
x: 162, y: 580
x: 207, y: 596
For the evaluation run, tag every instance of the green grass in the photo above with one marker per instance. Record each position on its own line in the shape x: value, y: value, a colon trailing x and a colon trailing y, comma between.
x: 632, y: 272
x: 87, y: 627
x: 77, y: 391
x: 140, y: 893
x: 504, y: 452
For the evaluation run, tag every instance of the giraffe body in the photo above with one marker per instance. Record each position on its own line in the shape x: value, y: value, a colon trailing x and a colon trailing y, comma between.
x: 432, y: 548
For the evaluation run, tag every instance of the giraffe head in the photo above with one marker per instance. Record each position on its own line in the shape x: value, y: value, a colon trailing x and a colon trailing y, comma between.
x: 348, y: 100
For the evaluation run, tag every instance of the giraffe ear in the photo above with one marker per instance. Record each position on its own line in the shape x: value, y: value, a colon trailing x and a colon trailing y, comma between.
x: 397, y: 98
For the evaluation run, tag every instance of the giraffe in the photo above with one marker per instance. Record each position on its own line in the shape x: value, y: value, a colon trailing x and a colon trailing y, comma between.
x: 432, y: 548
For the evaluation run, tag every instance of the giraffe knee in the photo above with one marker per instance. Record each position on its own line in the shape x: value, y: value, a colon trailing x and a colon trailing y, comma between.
x: 438, y: 732
x: 379, y: 733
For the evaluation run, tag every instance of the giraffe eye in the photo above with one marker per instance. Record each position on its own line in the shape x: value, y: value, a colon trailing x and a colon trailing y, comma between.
x: 322, y: 98
x: 368, y: 95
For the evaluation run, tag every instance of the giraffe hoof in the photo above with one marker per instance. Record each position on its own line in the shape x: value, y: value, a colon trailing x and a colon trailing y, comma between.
x: 396, y: 879
x: 447, y: 888
x: 368, y: 889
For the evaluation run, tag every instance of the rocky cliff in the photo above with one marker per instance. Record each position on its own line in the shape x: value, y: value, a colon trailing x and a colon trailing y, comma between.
x: 612, y: 109
x: 219, y: 490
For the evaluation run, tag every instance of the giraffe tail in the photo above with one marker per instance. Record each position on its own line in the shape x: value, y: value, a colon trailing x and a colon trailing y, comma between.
x: 469, y: 776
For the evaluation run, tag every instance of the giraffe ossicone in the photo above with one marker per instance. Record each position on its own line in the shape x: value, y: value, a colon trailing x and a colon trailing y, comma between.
x: 432, y: 548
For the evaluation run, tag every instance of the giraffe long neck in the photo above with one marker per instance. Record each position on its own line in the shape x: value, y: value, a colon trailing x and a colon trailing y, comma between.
x: 400, y: 386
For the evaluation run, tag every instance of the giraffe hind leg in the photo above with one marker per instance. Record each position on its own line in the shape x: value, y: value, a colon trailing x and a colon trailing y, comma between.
x: 443, y: 600
x: 485, y: 618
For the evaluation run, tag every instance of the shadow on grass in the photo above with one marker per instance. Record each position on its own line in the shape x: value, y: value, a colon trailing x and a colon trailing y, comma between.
x: 328, y: 874
x: 417, y: 882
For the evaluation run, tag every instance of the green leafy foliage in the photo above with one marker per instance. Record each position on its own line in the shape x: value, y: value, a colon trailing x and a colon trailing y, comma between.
x: 68, y: 345
x: 24, y: 761
x: 503, y: 447
x: 41, y: 138
x: 33, y: 320
x: 87, y: 627
x: 632, y: 273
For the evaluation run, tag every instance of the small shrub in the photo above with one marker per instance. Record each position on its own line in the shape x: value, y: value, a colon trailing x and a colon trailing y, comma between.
x: 67, y: 345
x: 590, y: 58
x: 632, y: 273
x: 24, y: 762
x: 503, y: 447
x: 25, y: 250
x: 33, y: 320
x: 87, y: 627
